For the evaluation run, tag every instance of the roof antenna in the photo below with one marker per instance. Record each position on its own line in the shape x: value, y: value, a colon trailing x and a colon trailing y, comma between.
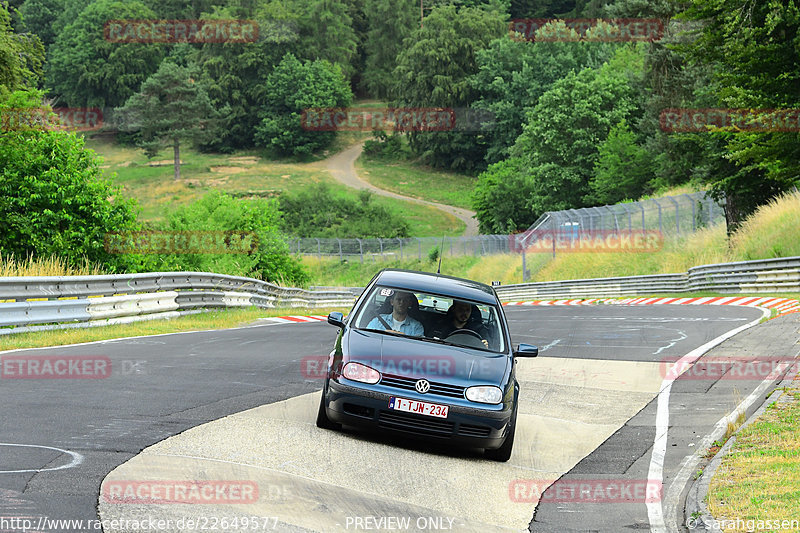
x: 441, y: 252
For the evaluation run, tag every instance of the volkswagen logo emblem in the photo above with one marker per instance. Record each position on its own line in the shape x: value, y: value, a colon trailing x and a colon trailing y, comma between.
x: 422, y: 386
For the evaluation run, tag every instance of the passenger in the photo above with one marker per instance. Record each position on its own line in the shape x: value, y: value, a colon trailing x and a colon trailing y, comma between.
x: 458, y: 317
x: 398, y: 320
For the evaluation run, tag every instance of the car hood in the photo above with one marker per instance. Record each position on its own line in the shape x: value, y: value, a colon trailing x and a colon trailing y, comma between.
x: 412, y: 358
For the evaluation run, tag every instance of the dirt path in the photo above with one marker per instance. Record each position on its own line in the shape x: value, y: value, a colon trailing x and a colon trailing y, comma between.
x: 342, y: 167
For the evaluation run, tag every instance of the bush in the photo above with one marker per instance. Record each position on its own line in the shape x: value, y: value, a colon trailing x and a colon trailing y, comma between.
x: 318, y: 212
x: 384, y: 146
x: 53, y: 198
x: 218, y: 212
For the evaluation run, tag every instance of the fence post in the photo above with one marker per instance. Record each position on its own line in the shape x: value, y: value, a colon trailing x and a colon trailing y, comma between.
x: 340, y: 249
x: 360, y: 249
x: 319, y: 249
x: 677, y: 215
x: 401, y: 247
x: 694, y: 212
x: 381, y: 243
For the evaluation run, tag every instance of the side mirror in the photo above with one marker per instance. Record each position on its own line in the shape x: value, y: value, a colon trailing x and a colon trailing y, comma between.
x: 526, y: 350
x: 336, y: 319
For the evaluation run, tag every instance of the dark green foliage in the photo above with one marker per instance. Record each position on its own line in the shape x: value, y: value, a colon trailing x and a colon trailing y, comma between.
x: 289, y: 90
x: 383, y: 146
x: 219, y: 212
x: 752, y: 49
x: 53, y: 199
x: 318, y: 212
x: 327, y: 33
x: 38, y: 17
x: 559, y: 144
x: 390, y: 23
x: 434, y: 70
x: 87, y: 70
x: 622, y: 169
x: 235, y: 74
x: 513, y: 74
x: 21, y: 56
x: 501, y: 198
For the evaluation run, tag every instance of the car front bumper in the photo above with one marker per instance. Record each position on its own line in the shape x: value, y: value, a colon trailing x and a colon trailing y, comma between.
x: 368, y: 409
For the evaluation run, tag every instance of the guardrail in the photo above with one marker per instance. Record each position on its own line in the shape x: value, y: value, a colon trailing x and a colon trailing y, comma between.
x: 761, y: 276
x: 35, y: 303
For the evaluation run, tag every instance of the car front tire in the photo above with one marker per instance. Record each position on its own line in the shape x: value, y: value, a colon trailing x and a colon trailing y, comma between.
x: 503, y: 453
x: 322, y: 417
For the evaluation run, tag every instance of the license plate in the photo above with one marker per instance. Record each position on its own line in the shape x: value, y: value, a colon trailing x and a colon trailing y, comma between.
x: 420, y: 408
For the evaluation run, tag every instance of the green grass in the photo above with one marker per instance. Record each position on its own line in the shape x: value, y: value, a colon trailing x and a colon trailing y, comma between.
x: 417, y: 181
x: 245, y: 174
x: 353, y: 273
x: 760, y: 478
x: 199, y: 322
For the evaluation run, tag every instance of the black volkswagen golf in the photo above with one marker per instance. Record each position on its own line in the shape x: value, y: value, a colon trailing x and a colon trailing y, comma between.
x: 429, y: 356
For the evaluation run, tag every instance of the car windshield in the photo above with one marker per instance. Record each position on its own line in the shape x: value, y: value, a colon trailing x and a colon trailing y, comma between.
x: 432, y: 317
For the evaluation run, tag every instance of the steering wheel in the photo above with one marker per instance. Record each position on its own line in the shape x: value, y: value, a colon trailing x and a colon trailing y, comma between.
x: 468, y: 331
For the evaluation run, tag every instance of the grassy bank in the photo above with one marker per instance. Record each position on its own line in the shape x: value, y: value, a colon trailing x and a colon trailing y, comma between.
x: 772, y: 231
x: 417, y: 181
x: 199, y: 322
x: 244, y: 174
x: 760, y: 478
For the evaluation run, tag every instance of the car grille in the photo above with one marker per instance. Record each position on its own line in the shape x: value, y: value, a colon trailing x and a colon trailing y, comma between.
x: 442, y: 389
x: 415, y: 424
x: 468, y: 430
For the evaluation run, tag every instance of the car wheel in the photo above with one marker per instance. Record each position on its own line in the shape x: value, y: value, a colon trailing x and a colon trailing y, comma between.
x: 503, y: 453
x: 322, y: 417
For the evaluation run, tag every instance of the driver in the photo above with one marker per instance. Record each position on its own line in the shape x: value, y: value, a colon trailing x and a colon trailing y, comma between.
x: 458, y: 317
x: 398, y: 320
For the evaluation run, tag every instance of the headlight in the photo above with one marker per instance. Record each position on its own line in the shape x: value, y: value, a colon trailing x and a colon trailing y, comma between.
x: 362, y: 373
x: 484, y: 394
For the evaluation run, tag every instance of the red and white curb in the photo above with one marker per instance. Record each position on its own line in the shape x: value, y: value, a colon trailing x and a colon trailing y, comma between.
x: 296, y: 319
x: 782, y: 305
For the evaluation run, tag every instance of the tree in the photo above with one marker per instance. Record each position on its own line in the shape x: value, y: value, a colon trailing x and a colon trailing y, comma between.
x: 235, y: 74
x: 434, y: 70
x: 292, y: 88
x: 87, y: 70
x: 328, y: 34
x: 38, y: 17
x: 564, y: 131
x: 622, y: 169
x: 390, y: 23
x: 513, y: 74
x: 21, y: 56
x: 53, y: 198
x: 752, y: 50
x: 170, y: 108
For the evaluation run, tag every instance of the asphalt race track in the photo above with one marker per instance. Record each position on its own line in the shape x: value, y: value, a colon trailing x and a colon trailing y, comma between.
x: 588, y: 412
